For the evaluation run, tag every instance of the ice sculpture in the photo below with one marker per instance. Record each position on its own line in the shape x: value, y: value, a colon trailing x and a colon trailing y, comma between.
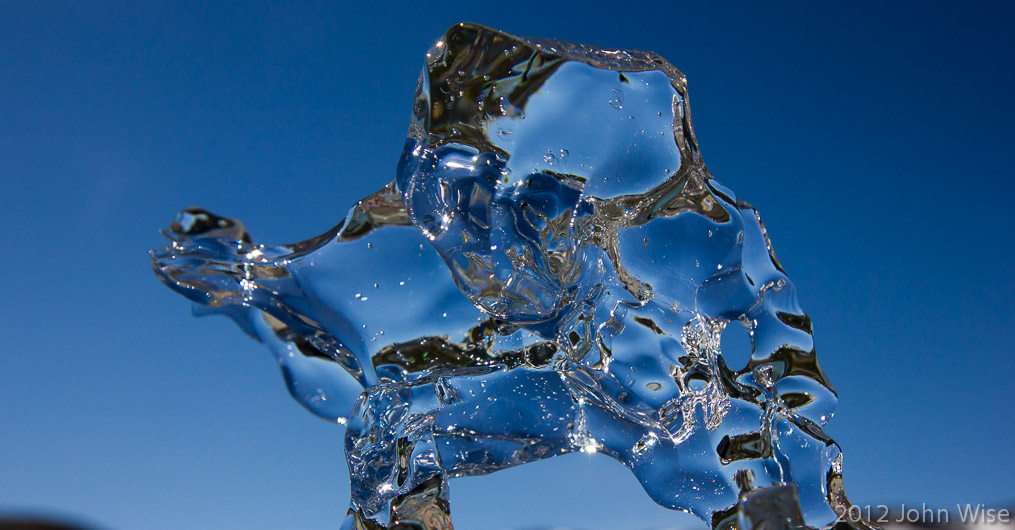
x: 551, y: 270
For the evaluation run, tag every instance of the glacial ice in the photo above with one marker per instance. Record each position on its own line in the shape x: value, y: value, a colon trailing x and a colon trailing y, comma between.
x: 552, y: 269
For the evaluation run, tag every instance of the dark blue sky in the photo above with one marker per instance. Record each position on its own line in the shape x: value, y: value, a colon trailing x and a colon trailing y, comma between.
x: 876, y: 142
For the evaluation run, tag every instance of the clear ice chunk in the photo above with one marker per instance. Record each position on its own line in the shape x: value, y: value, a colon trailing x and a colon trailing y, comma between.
x: 552, y: 269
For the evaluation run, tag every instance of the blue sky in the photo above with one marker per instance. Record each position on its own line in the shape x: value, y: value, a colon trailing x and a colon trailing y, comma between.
x: 875, y: 140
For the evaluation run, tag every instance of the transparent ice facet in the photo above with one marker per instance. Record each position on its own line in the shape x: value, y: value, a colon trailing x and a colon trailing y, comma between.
x: 553, y: 269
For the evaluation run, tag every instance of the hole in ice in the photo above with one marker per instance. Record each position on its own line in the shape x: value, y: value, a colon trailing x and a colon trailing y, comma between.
x: 576, y: 492
x: 735, y: 345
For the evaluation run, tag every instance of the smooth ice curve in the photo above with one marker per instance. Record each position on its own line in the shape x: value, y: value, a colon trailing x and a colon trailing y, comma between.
x: 552, y: 269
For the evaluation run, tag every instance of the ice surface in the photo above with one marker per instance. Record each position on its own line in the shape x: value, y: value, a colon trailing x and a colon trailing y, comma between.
x: 553, y: 269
